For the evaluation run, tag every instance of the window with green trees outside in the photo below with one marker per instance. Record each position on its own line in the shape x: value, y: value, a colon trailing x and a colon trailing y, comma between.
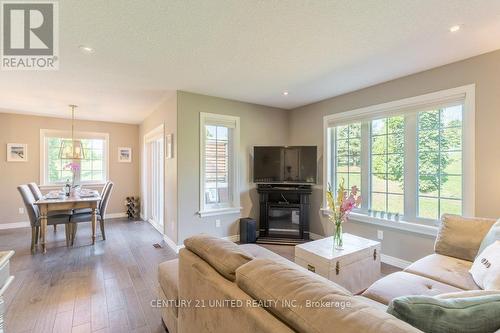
x: 409, y: 164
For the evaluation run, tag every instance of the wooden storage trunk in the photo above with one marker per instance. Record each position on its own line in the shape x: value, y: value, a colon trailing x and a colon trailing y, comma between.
x: 355, y: 267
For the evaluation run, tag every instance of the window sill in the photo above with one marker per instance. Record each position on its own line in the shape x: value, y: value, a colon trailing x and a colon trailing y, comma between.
x: 417, y: 228
x: 220, y: 211
x: 58, y: 186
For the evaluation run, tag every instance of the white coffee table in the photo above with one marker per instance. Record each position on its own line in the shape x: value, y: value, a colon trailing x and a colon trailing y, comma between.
x: 355, y: 267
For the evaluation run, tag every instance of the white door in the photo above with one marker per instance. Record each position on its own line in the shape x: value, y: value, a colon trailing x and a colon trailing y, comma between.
x: 154, y: 170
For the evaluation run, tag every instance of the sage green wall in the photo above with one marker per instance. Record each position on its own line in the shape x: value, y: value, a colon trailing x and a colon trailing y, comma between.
x: 306, y: 125
x: 260, y: 125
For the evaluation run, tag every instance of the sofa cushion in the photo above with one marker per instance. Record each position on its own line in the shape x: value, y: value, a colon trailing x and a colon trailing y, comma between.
x: 371, y: 302
x: 309, y: 303
x: 468, y: 293
x: 168, y: 276
x: 404, y: 284
x: 169, y: 314
x: 223, y: 255
x: 445, y: 269
x: 480, y: 314
x: 486, y: 268
x: 490, y: 238
x: 460, y: 237
x: 260, y: 252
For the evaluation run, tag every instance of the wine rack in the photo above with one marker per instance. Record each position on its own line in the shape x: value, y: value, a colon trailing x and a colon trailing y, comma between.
x: 133, y: 207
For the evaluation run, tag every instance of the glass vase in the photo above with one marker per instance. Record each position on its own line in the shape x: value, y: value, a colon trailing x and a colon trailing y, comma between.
x: 338, y: 242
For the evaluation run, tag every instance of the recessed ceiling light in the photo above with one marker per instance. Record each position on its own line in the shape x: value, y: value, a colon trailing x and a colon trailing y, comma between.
x: 455, y: 28
x: 86, y: 49
x: 285, y: 93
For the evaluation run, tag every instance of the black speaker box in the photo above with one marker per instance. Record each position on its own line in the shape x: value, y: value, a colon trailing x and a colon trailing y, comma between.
x: 248, y: 233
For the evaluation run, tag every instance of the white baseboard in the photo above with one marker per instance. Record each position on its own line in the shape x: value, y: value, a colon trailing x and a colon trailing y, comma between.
x: 233, y: 238
x: 393, y: 261
x: 314, y: 236
x: 171, y: 244
x: 14, y: 225
x: 386, y: 259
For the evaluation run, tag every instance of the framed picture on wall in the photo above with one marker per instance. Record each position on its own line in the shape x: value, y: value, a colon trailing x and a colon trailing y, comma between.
x: 17, y: 152
x: 124, y: 154
x: 169, y: 150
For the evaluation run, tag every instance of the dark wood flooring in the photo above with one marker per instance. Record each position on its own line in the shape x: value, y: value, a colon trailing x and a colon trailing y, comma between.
x: 107, y: 287
x: 103, y: 288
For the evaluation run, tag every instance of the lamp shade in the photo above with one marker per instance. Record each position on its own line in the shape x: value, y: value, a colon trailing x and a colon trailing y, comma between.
x: 71, y: 150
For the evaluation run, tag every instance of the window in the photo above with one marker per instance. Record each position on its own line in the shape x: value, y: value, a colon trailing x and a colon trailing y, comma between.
x: 440, y: 162
x: 348, y: 156
x: 387, y: 164
x: 412, y: 157
x: 219, y: 139
x: 91, y: 170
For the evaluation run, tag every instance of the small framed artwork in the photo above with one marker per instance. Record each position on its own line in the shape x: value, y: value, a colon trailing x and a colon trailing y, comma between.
x: 17, y: 152
x: 169, y: 151
x: 124, y: 154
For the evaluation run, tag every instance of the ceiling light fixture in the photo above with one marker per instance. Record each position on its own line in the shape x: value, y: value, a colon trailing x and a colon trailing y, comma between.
x: 285, y: 93
x: 86, y: 49
x: 455, y: 28
x: 71, y: 149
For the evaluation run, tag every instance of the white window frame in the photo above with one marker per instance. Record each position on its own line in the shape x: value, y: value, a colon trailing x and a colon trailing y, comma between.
x: 77, y: 135
x: 409, y: 107
x: 234, y: 123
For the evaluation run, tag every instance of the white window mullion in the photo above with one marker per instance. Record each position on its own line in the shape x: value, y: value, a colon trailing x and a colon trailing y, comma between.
x: 365, y: 166
x: 410, y: 170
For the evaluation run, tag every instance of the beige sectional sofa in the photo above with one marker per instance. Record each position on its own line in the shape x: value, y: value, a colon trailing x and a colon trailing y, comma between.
x: 445, y: 271
x: 219, y: 286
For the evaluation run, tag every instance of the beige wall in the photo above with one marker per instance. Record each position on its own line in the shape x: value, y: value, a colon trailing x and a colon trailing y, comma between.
x: 260, y: 125
x: 26, y: 129
x: 306, y: 128
x: 165, y: 114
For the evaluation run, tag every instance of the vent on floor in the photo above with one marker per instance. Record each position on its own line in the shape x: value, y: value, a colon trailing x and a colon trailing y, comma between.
x: 156, y: 245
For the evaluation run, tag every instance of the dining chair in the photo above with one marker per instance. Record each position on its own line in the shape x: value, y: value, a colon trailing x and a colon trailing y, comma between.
x: 35, y: 190
x: 87, y: 216
x: 34, y: 217
x: 89, y: 210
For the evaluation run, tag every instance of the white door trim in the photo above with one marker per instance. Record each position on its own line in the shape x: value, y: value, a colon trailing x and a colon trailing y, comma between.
x: 155, y: 134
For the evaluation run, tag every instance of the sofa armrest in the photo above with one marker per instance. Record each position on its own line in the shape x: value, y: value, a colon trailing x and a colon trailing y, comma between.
x: 460, y: 237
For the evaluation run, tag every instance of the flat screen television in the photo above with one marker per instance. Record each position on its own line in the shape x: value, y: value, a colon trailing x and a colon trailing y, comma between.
x: 290, y: 164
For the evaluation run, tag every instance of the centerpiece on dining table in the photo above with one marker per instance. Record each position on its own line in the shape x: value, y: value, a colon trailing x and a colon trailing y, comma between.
x: 340, y: 205
x: 69, y: 189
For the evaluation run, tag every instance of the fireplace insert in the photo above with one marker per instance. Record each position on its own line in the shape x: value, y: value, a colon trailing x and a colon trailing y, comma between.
x: 284, y: 213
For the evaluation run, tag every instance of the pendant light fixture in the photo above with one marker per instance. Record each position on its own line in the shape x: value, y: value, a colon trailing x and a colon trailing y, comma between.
x: 71, y: 149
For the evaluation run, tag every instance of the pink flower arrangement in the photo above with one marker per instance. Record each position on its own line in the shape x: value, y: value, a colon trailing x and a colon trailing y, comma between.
x: 340, y: 208
x: 344, y: 203
x: 72, y: 166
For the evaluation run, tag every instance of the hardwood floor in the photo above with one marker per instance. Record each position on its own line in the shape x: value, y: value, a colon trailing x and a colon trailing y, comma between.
x: 107, y: 287
x: 102, y: 288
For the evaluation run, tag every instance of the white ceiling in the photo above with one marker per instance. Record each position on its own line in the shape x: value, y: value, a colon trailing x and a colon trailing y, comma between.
x: 245, y: 50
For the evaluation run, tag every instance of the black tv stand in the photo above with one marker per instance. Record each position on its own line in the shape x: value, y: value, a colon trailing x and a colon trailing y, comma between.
x: 284, y: 213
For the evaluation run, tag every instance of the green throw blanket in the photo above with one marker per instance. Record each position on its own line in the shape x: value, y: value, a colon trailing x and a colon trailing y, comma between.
x: 479, y: 314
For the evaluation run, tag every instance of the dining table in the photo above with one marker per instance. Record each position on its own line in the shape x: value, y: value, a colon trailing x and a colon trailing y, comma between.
x: 64, y: 203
